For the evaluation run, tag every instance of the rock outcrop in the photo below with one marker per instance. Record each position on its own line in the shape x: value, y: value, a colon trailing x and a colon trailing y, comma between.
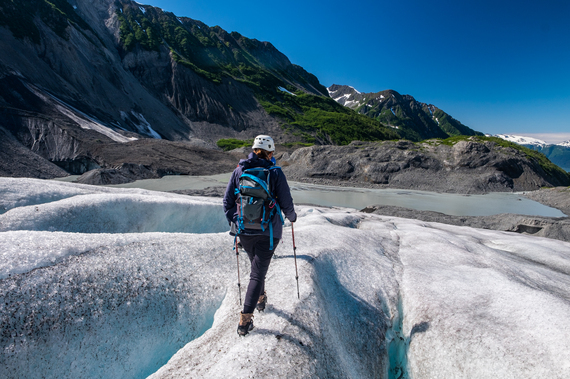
x: 27, y: 164
x: 468, y: 166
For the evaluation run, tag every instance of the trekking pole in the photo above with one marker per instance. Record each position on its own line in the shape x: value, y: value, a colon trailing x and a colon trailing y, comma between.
x: 295, y: 255
x: 237, y: 259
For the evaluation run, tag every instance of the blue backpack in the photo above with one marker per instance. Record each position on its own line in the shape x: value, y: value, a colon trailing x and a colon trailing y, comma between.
x: 256, y: 204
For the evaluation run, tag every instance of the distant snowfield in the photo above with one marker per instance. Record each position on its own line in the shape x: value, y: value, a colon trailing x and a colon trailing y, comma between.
x: 522, y: 140
x: 122, y: 283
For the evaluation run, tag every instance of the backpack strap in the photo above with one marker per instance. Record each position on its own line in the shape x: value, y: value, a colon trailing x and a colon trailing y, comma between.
x: 271, y: 223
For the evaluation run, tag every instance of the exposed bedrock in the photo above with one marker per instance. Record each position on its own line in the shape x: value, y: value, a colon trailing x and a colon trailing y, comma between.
x: 28, y: 164
x: 468, y: 167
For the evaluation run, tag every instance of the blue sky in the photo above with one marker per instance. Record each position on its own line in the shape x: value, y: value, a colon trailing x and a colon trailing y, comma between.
x: 499, y: 66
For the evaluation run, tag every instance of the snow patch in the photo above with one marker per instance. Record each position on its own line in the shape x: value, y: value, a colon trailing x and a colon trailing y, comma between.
x: 343, y: 100
x: 17, y: 73
x: 521, y: 140
x: 333, y: 93
x: 143, y: 126
x: 285, y: 90
x: 355, y: 90
x: 345, y: 97
x: 83, y: 120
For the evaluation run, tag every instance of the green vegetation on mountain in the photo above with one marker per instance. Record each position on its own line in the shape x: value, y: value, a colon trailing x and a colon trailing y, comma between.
x: 232, y: 143
x: 220, y: 56
x: 559, y: 155
x: 417, y: 124
x: 19, y: 17
x: 414, y: 120
x: 209, y: 51
x: 395, y: 117
x: 321, y: 119
x: 453, y: 127
x: 228, y: 144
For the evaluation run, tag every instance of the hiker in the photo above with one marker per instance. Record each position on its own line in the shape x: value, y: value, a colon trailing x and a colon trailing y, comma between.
x: 258, y: 240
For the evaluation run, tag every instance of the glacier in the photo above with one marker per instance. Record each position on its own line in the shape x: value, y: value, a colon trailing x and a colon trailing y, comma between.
x: 102, y: 282
x: 522, y: 140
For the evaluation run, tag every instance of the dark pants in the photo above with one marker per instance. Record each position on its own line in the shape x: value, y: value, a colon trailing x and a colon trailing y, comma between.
x: 257, y: 248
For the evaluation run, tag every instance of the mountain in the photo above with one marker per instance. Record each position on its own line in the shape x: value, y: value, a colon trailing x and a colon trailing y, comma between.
x: 78, y: 74
x: 414, y: 120
x: 559, y: 154
x: 133, y: 92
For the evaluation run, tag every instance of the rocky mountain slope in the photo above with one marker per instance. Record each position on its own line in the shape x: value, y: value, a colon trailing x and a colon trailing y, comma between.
x: 76, y: 74
x: 559, y: 154
x: 16, y: 160
x: 414, y: 120
x: 470, y: 165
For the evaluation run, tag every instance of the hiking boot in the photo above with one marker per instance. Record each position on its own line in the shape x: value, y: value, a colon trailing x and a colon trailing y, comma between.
x: 245, y: 323
x: 261, y: 302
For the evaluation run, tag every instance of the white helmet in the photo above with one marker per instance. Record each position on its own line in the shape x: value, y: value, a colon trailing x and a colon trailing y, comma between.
x: 264, y: 142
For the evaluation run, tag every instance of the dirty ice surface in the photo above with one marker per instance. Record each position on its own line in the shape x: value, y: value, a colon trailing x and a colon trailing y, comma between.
x: 124, y: 283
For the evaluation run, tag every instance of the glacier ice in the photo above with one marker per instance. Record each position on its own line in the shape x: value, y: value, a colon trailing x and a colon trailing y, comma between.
x: 125, y: 283
x: 522, y: 140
